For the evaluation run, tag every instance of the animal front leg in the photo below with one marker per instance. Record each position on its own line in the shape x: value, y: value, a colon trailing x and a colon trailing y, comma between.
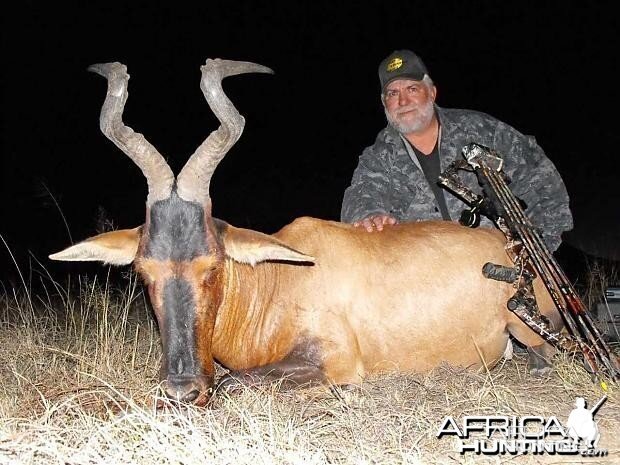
x: 291, y: 372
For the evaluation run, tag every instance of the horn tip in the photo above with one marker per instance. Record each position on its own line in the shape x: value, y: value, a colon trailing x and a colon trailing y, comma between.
x: 107, y: 69
x: 232, y: 67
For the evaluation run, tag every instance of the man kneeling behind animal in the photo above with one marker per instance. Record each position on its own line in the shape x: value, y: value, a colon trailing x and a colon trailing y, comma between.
x: 396, y: 177
x: 318, y: 301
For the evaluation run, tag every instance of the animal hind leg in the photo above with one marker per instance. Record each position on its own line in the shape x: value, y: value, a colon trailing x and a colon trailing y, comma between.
x: 539, y: 352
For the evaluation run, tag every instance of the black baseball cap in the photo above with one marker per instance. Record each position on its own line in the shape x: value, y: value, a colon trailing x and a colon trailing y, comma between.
x: 401, y: 64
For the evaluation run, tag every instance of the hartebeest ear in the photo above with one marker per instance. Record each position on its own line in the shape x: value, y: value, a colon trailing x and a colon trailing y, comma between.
x: 114, y: 248
x: 252, y: 247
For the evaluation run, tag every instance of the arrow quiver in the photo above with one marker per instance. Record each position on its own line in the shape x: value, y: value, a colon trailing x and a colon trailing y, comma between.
x: 531, y: 258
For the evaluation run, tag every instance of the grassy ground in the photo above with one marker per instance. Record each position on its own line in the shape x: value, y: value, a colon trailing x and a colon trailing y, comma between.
x: 78, y: 385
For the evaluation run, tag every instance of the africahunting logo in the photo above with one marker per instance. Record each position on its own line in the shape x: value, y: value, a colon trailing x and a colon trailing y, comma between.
x: 512, y: 435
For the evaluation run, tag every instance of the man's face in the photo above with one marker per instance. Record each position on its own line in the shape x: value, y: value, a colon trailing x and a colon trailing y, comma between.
x: 409, y: 105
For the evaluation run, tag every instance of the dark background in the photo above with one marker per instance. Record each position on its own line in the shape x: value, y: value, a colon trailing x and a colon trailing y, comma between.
x: 549, y: 70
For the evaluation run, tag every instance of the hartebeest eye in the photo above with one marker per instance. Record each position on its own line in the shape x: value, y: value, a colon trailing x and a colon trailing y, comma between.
x: 202, y: 267
x: 198, y: 270
x: 143, y: 272
x: 147, y: 279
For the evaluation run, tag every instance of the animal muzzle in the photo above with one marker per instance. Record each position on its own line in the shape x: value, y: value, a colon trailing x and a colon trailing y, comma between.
x: 189, y: 389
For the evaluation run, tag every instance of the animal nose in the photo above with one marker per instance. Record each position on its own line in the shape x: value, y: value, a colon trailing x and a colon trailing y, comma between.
x: 185, y: 390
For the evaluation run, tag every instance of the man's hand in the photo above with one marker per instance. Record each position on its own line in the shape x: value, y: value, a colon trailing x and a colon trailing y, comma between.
x: 373, y: 223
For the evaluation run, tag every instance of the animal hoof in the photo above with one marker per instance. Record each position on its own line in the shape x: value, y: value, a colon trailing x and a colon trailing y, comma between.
x: 234, y: 382
x: 537, y: 364
x: 540, y: 372
x: 228, y: 383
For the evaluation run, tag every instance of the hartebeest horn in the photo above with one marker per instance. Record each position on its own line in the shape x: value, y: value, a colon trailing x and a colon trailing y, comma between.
x: 158, y: 174
x: 195, y: 177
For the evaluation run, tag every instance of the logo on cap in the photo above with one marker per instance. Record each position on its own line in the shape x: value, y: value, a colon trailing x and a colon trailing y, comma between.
x: 394, y: 64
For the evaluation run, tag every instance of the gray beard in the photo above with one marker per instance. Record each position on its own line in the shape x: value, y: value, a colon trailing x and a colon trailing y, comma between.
x: 424, y: 118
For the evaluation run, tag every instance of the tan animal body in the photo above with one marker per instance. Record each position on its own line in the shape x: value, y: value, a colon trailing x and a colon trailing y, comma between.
x: 318, y: 301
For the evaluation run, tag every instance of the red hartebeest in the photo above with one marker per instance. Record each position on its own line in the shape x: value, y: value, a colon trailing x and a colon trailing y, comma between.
x: 317, y: 301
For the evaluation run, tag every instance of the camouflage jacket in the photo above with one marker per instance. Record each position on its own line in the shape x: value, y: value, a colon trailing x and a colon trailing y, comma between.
x: 388, y: 180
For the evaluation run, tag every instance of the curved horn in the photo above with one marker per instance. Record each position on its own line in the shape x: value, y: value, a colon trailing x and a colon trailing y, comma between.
x: 195, y: 177
x: 158, y: 174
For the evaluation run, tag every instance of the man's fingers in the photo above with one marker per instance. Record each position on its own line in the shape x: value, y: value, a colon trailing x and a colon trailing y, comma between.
x: 375, y: 223
x: 365, y: 223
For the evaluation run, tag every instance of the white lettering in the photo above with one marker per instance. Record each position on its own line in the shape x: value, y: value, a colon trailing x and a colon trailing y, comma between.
x: 499, y: 425
x: 512, y: 435
x: 443, y: 429
x: 470, y: 426
x: 532, y: 434
x: 553, y: 426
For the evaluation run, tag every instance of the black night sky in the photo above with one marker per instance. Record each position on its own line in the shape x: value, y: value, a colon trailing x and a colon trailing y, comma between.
x: 549, y: 70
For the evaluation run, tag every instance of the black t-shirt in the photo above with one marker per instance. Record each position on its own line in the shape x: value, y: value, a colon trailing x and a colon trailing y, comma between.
x: 432, y: 169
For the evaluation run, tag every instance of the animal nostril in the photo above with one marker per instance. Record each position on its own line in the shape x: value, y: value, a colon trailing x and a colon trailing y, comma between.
x: 179, y: 394
x: 171, y: 392
x: 191, y: 396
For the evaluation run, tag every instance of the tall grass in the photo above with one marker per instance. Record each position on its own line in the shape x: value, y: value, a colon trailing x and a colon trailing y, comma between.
x: 78, y: 385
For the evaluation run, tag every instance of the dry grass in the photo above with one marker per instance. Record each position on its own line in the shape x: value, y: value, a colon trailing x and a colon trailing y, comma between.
x: 78, y: 377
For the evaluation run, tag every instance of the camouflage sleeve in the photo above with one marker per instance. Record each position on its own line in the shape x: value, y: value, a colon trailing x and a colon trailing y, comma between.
x: 369, y: 192
x: 536, y: 181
